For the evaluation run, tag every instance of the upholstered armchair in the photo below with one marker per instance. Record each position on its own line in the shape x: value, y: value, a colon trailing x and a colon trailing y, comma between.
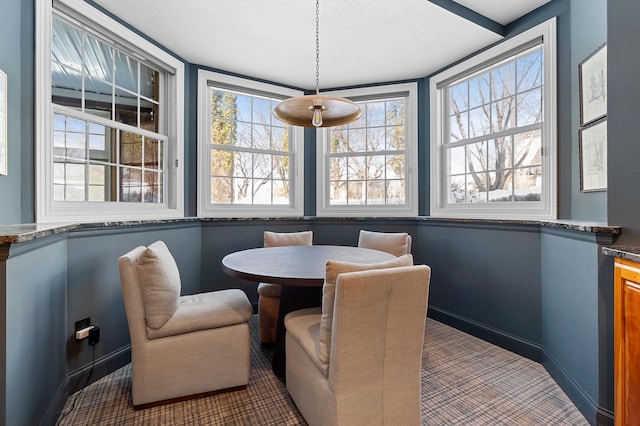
x: 269, y: 294
x: 181, y: 346
x: 357, y: 360
x: 396, y: 243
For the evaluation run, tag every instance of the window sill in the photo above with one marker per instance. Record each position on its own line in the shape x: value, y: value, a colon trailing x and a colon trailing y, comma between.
x: 19, y: 233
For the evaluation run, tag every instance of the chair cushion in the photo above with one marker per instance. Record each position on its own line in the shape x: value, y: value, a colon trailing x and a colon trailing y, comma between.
x: 279, y: 239
x: 205, y: 311
x: 396, y: 243
x: 269, y: 290
x: 304, y: 326
x: 159, y: 284
x: 335, y: 268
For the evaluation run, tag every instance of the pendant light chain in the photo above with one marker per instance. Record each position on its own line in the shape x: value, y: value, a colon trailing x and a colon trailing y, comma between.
x: 317, y: 46
x: 316, y: 110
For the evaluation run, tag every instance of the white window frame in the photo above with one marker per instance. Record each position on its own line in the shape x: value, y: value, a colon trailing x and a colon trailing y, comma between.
x: 296, y: 143
x: 546, y: 208
x: 132, y: 44
x: 410, y: 208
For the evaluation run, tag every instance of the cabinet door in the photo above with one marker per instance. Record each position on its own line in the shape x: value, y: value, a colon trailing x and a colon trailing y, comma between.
x: 632, y: 350
x: 627, y: 343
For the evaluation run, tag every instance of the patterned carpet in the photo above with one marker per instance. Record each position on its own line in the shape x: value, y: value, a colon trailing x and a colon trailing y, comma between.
x: 465, y: 381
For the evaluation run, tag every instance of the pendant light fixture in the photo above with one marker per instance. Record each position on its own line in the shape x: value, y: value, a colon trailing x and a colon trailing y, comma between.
x: 317, y: 110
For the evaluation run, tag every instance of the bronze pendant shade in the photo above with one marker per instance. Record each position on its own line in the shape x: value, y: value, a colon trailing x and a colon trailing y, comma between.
x: 317, y: 110
x: 300, y: 111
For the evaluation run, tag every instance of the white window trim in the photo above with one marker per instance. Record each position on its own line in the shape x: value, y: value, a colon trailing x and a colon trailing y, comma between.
x: 46, y: 209
x: 205, y: 207
x: 410, y: 209
x: 547, y: 208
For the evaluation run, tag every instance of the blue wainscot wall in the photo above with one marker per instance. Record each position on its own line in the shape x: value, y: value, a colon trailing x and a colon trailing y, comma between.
x: 542, y: 290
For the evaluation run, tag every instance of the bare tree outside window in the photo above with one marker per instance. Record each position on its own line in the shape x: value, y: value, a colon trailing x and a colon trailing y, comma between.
x: 250, y: 155
x: 494, y: 140
x: 367, y: 157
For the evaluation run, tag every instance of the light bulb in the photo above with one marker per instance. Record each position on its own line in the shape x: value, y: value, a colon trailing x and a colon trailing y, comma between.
x: 317, y: 117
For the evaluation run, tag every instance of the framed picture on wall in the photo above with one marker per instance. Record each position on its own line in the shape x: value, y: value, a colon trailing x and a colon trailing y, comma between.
x: 592, y: 75
x: 593, y: 157
x: 3, y: 123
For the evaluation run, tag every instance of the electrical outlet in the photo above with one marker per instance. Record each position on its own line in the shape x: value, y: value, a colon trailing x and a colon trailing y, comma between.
x: 83, y: 323
x: 83, y: 327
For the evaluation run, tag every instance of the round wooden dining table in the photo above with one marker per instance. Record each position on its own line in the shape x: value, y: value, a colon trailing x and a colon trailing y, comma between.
x: 301, y: 272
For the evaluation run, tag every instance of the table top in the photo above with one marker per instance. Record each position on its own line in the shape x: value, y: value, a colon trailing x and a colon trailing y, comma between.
x: 294, y: 265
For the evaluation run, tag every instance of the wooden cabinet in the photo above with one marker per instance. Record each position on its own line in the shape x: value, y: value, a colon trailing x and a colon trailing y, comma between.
x: 627, y: 342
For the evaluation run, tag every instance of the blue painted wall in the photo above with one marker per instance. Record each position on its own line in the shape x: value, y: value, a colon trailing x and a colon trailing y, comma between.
x: 486, y: 278
x: 623, y: 142
x: 191, y: 141
x: 76, y: 276
x: 93, y: 287
x: 588, y: 32
x: 504, y: 283
x: 16, y: 60
x: 572, y: 303
x: 35, y: 330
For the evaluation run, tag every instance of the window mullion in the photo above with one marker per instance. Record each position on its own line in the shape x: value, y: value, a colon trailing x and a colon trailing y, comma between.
x: 142, y: 167
x: 118, y: 167
x: 86, y: 161
x: 509, y: 132
x: 83, y: 58
x: 250, y: 150
x: 366, y: 153
x: 71, y: 112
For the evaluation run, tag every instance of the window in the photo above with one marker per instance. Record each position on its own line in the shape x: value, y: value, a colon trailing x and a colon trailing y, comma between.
x: 250, y: 162
x: 110, y: 135
x: 493, y: 131
x: 369, y: 167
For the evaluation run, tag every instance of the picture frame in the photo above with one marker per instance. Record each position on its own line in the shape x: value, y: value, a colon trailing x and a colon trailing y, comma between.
x: 3, y: 124
x: 592, y: 77
x: 593, y: 157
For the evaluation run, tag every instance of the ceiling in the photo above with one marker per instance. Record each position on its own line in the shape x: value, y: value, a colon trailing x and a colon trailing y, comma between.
x: 361, y: 41
x: 502, y: 11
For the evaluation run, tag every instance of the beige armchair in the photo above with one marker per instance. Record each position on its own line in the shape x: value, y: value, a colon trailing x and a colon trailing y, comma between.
x: 396, y: 243
x: 361, y: 364
x: 269, y: 294
x: 181, y: 346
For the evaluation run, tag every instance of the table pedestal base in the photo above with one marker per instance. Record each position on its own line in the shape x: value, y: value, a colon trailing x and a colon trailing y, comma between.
x: 292, y: 298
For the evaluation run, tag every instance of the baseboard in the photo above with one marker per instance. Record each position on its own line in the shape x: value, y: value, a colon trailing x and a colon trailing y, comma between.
x: 57, y: 404
x: 604, y: 417
x: 492, y: 335
x: 594, y: 414
x: 76, y: 379
x: 104, y: 365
